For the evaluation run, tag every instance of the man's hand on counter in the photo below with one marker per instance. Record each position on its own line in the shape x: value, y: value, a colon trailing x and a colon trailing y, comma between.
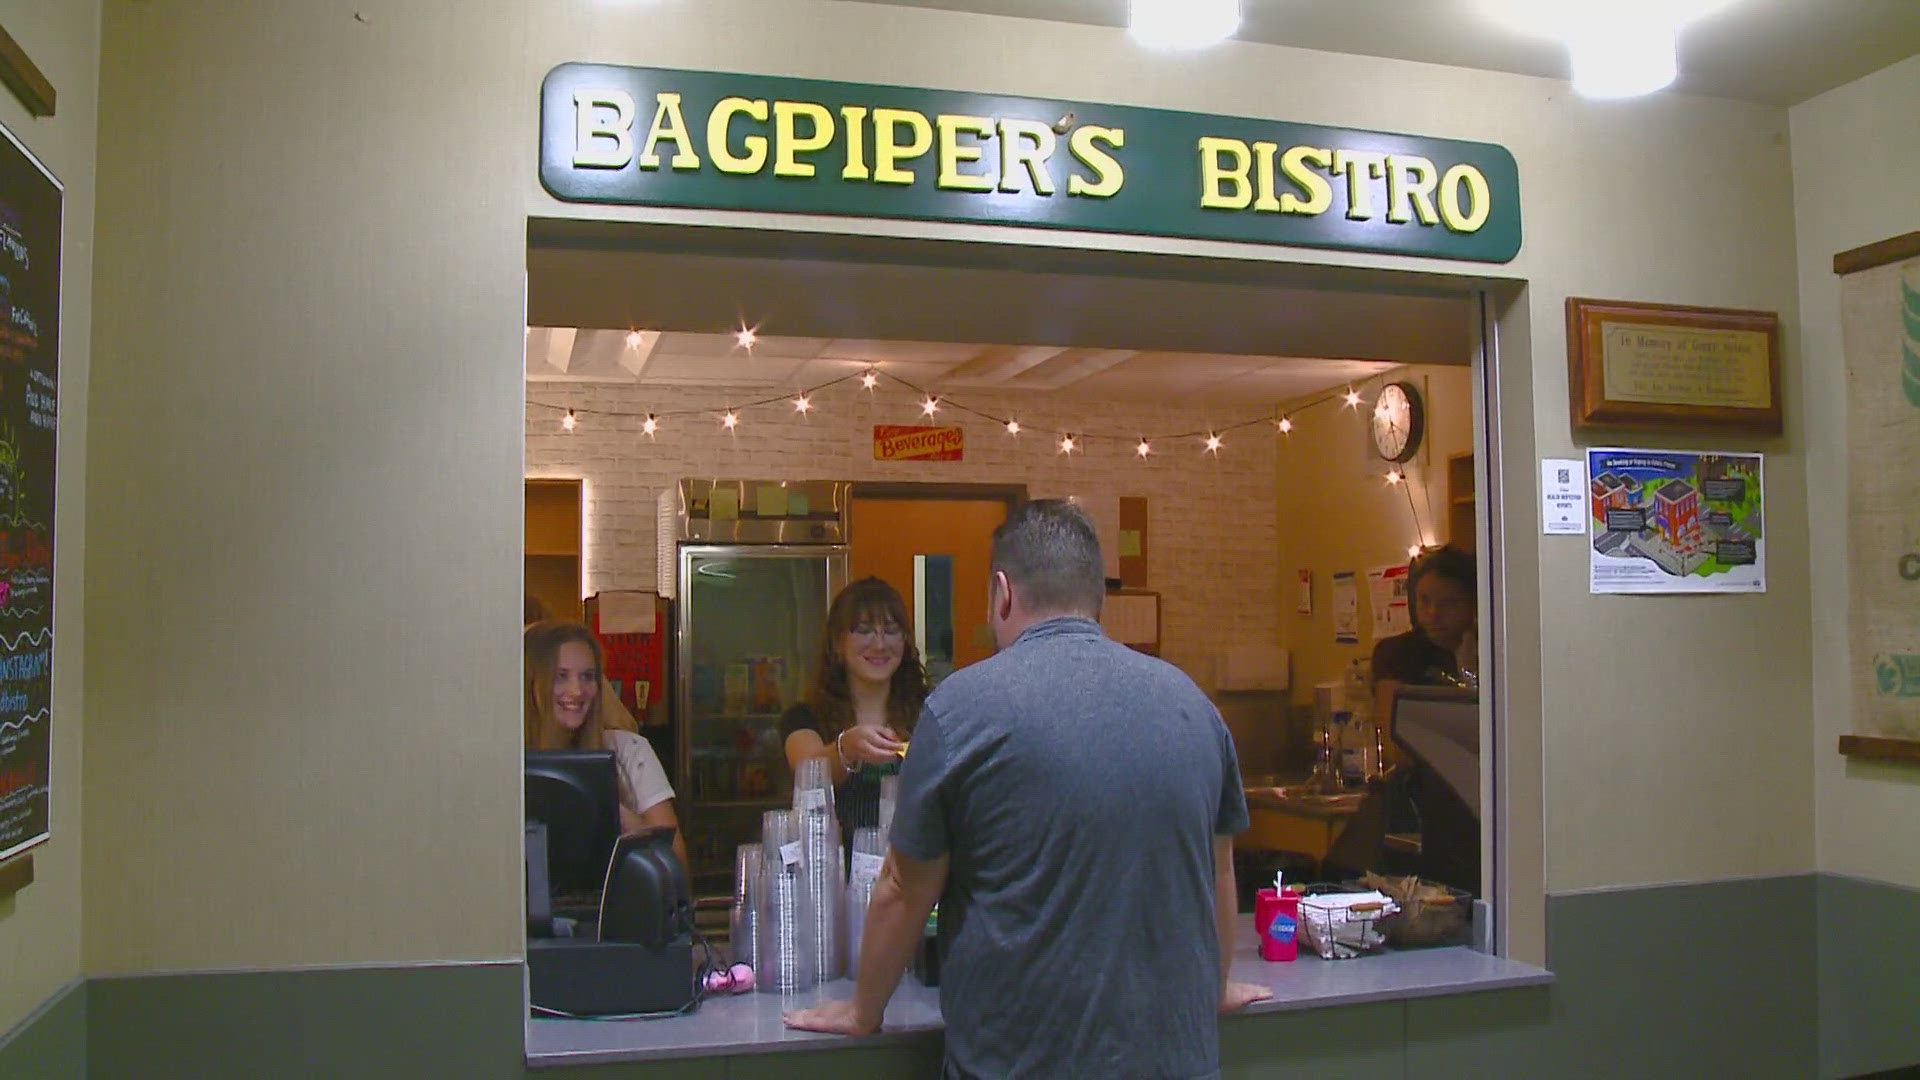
x: 1238, y: 995
x: 834, y: 1018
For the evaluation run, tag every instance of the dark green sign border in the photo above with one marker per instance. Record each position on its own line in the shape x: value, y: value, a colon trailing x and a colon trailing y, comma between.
x: 1295, y: 185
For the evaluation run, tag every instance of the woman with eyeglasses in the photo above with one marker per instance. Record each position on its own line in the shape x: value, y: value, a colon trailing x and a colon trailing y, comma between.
x: 865, y: 695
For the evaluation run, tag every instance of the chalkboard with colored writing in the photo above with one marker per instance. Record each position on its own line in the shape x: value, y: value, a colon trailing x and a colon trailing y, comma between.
x: 30, y: 203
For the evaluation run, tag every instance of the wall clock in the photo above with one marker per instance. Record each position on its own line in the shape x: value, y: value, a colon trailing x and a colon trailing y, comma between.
x: 1399, y: 421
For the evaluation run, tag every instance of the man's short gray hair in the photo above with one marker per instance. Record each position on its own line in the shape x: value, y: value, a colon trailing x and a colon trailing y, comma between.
x: 1050, y: 551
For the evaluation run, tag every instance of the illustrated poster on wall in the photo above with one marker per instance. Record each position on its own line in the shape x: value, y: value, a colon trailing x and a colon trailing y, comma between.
x: 1670, y: 521
x: 30, y: 207
x: 1880, y: 329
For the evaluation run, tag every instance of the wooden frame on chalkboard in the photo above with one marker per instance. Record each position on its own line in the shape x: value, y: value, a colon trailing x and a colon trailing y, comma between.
x: 1595, y: 326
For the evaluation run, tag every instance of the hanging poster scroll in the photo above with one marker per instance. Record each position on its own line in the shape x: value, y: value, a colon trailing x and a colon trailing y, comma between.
x: 1880, y: 328
x: 30, y: 206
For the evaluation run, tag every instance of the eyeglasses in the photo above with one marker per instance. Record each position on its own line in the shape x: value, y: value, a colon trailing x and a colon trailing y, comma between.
x: 891, y: 632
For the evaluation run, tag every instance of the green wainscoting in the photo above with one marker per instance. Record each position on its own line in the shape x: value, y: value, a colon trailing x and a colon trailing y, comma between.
x: 1722, y: 979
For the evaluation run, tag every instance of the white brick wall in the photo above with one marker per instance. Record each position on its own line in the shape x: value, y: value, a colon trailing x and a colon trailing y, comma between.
x: 1211, y: 538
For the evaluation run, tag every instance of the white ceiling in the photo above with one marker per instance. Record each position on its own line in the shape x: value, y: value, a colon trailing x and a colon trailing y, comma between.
x: 1776, y: 52
x: 566, y: 354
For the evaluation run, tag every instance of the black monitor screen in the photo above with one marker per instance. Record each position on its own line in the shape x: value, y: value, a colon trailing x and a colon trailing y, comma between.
x: 574, y: 794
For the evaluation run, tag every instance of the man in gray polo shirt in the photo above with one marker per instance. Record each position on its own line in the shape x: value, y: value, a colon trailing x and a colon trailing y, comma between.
x: 1071, y: 804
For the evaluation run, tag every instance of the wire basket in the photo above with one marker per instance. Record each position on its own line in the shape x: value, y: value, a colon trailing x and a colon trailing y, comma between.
x: 1340, y: 931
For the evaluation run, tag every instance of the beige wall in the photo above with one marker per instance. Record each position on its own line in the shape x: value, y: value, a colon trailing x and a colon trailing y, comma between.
x: 1336, y: 512
x: 308, y: 439
x: 40, y: 926
x: 1207, y: 517
x: 1856, y: 151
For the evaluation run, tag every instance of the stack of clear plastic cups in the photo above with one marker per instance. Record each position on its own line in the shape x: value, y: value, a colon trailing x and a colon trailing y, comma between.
x: 744, y: 926
x: 868, y: 853
x: 824, y: 864
x: 789, y: 954
x: 889, y: 797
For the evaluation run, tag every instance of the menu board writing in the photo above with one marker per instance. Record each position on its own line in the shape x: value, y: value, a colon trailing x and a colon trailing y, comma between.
x: 30, y: 208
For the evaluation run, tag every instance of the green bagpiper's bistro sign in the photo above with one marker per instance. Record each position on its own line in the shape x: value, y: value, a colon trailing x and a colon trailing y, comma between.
x: 742, y: 142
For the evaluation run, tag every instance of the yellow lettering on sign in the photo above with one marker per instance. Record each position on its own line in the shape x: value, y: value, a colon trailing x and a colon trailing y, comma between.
x: 590, y: 149
x: 888, y: 150
x: 854, y: 118
x: 1294, y: 165
x: 1217, y: 178
x: 669, y: 124
x: 1026, y: 144
x: 1108, y: 176
x: 1360, y: 187
x: 1478, y: 202
x: 789, y: 145
x: 1410, y: 181
x: 1264, y: 202
x: 719, y: 120
x: 953, y: 154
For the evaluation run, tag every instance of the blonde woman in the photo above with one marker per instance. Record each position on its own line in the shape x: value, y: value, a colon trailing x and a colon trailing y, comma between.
x: 565, y: 710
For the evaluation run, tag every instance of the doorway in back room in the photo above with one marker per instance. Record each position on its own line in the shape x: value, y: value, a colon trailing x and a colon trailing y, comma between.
x: 886, y: 535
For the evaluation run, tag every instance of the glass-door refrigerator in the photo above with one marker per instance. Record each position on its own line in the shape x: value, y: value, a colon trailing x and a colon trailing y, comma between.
x: 758, y: 565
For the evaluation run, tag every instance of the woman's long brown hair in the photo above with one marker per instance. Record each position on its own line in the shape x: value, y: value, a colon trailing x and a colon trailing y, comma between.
x: 871, y: 600
x: 542, y: 644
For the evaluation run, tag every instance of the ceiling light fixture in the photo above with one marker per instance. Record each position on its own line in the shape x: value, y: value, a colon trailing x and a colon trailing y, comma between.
x: 1066, y: 444
x: 649, y: 426
x: 745, y: 337
x: 1013, y: 427
x: 1617, y: 49
x: 730, y: 420
x: 1286, y: 425
x: 1183, y: 24
x: 930, y: 406
x: 802, y: 404
x: 567, y: 422
x: 868, y: 380
x: 1213, y: 444
x: 1143, y: 449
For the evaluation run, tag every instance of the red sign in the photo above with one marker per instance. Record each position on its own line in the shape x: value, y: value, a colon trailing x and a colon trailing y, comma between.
x: 906, y: 442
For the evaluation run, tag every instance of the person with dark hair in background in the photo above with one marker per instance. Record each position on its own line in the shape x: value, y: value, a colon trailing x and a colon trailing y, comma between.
x: 1442, y: 649
x: 565, y: 709
x: 1071, y: 804
x: 863, y: 700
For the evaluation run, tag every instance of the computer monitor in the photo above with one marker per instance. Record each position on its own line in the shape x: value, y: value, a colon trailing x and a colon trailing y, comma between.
x: 575, y: 795
x: 1439, y: 729
x: 646, y: 900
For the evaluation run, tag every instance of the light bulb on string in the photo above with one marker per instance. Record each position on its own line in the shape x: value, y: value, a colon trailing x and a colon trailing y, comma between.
x: 930, y: 406
x: 1213, y: 444
x: 730, y: 420
x: 649, y: 426
x: 802, y: 404
x: 1013, y: 427
x: 1352, y: 398
x: 633, y: 339
x: 568, y: 421
x: 1286, y: 425
x: 1143, y: 449
x: 745, y: 337
x: 1413, y: 551
x: 1067, y: 445
x: 868, y: 380
x: 1395, y: 476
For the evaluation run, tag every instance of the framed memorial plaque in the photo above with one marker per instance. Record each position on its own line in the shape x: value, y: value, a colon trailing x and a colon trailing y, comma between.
x: 1658, y: 366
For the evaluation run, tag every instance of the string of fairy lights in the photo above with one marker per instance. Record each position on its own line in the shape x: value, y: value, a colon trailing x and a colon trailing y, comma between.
x: 1207, y: 441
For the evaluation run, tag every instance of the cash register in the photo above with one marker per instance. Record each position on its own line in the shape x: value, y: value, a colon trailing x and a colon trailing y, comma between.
x: 609, y: 917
